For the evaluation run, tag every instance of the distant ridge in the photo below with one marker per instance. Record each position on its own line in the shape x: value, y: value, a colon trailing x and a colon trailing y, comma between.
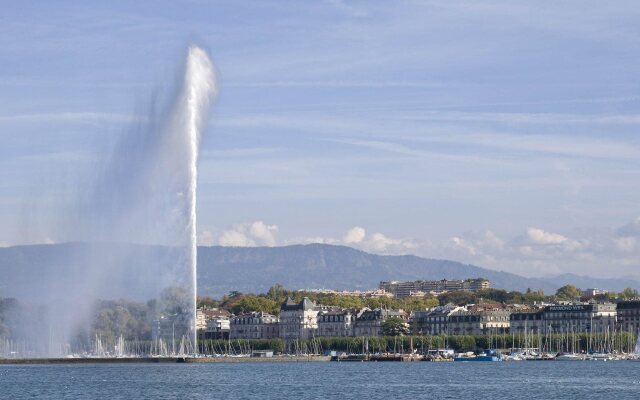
x: 255, y: 269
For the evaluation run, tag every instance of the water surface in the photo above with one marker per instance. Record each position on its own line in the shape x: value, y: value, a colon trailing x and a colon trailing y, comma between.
x: 507, y: 380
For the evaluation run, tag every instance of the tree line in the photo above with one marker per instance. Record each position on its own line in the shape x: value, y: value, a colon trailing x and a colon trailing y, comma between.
x: 405, y: 344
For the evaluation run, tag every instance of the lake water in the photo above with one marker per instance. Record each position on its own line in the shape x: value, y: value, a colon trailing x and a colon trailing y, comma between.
x: 506, y: 380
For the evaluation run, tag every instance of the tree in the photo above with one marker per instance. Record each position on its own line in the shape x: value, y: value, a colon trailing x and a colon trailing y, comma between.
x: 175, y: 300
x: 277, y: 292
x: 568, y: 292
x: 207, y: 302
x: 249, y: 302
x: 629, y: 293
x: 497, y: 295
x: 533, y: 296
x: 458, y: 298
x: 395, y: 326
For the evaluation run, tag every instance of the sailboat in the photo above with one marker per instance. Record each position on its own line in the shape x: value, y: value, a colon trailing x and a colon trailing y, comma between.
x: 636, y: 352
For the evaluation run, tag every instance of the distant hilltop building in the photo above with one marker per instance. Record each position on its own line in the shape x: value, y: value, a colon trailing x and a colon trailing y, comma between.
x: 375, y: 293
x: 593, y: 292
x: 421, y: 288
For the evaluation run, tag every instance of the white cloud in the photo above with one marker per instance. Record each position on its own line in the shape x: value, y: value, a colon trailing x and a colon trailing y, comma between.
x: 539, y: 236
x: 357, y: 237
x: 264, y: 233
x: 532, y: 252
x: 461, y: 244
x: 483, y: 247
x: 235, y: 238
x: 538, y: 252
x: 249, y: 235
x: 376, y: 243
x: 476, y: 242
x: 382, y: 244
x: 354, y: 235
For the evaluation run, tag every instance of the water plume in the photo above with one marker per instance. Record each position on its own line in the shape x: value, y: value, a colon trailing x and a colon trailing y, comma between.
x: 137, y: 207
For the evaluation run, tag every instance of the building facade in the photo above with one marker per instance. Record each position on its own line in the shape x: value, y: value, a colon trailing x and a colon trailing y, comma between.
x: 434, y: 321
x: 217, y: 328
x: 254, y: 325
x: 480, y: 320
x: 597, y: 318
x: 527, y: 321
x: 212, y: 323
x: 411, y: 288
x: 628, y: 313
x: 369, y: 322
x: 335, y: 322
x: 298, y: 320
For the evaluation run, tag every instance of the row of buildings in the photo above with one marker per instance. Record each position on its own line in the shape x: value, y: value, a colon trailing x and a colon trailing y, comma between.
x: 305, y: 320
x: 297, y: 320
x: 545, y: 319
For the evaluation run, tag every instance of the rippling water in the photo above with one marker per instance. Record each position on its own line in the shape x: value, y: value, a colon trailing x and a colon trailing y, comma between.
x: 507, y: 380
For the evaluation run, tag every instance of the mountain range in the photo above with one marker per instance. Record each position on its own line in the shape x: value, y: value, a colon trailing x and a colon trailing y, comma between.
x: 123, y: 269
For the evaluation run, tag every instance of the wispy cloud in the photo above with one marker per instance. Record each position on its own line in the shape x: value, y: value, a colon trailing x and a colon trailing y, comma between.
x: 79, y: 116
x: 336, y: 84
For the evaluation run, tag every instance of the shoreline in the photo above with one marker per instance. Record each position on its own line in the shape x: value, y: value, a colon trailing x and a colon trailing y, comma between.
x: 159, y: 360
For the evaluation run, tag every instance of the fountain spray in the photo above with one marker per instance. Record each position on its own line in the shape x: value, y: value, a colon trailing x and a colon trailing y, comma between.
x: 199, y: 88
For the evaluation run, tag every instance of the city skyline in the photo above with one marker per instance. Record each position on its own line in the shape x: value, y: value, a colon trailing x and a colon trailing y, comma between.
x: 498, y: 134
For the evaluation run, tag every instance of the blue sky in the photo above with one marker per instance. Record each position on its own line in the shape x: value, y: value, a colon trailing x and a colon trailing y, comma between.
x: 503, y: 134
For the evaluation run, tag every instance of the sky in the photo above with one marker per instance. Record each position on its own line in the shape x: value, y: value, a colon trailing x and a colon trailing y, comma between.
x: 502, y: 134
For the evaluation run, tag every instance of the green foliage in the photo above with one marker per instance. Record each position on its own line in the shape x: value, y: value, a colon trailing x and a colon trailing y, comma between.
x: 175, y: 300
x: 458, y: 298
x: 404, y: 344
x: 407, y: 304
x: 629, y: 293
x: 207, y: 302
x: 493, y: 296
x: 130, y: 319
x: 395, y: 327
x: 534, y: 296
x: 277, y: 293
x: 245, y: 303
x: 568, y: 292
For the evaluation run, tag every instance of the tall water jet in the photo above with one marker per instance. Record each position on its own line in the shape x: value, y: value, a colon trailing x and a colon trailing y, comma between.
x: 200, y: 87
x: 183, y: 137
x: 137, y: 207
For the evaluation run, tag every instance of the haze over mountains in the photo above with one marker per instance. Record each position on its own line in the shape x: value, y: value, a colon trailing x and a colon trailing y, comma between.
x: 26, y: 271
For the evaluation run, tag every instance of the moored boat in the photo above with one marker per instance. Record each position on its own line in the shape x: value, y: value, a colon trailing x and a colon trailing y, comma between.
x: 569, y: 357
x: 487, y: 355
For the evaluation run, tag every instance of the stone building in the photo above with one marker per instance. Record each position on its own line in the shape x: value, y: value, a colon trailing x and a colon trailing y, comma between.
x: 298, y: 320
x: 334, y: 322
x: 217, y: 328
x: 592, y: 317
x: 629, y: 316
x: 481, y: 319
x: 369, y: 322
x: 254, y: 325
x: 411, y: 288
x: 527, y: 321
x: 433, y: 321
x: 212, y: 323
